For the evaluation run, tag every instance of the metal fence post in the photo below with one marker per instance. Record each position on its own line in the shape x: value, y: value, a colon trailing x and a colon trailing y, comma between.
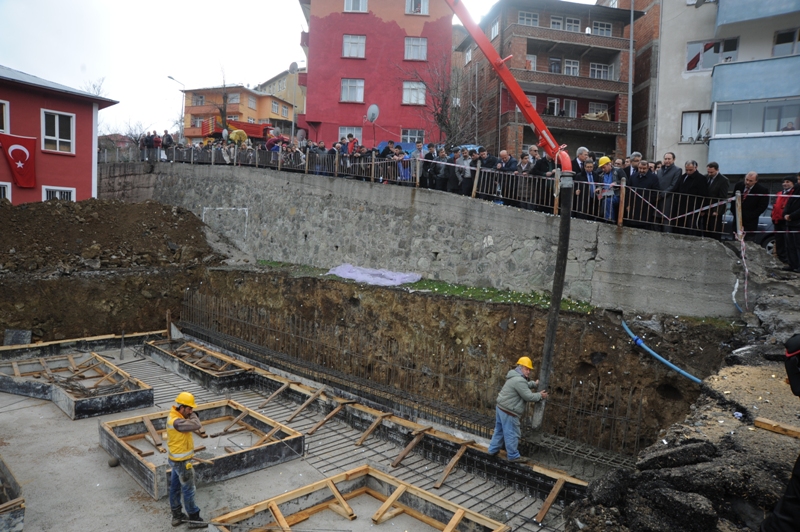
x: 477, y: 178
x: 372, y: 168
x: 336, y: 165
x: 280, y: 157
x: 418, y: 166
x: 308, y: 154
x: 621, y: 213
x: 739, y: 229
x: 557, y: 187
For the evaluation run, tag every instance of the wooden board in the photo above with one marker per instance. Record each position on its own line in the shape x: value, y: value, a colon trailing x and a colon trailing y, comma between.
x: 551, y: 498
x: 780, y: 428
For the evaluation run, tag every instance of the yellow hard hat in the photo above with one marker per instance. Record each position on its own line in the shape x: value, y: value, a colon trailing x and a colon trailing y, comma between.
x: 604, y: 160
x: 186, y: 399
x: 525, y: 361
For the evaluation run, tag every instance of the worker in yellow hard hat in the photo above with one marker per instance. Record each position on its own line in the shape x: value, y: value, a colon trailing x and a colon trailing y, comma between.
x: 514, y: 396
x: 182, y: 421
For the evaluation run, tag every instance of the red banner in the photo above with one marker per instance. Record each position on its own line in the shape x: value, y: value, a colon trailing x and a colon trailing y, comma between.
x: 20, y: 153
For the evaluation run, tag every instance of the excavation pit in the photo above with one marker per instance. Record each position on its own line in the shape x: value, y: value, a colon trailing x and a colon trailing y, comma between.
x: 12, y: 504
x: 237, y: 441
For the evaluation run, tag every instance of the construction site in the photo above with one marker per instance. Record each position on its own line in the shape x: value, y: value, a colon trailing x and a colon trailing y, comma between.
x: 329, y: 404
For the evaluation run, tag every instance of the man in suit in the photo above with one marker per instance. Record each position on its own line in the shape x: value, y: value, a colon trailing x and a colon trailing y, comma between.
x: 668, y: 176
x: 691, y: 188
x: 718, y: 186
x: 577, y: 164
x: 633, y: 169
x: 643, y: 196
x: 791, y: 213
x: 755, y: 201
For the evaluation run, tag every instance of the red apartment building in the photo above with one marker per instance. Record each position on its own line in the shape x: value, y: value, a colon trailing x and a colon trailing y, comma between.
x: 570, y: 59
x: 60, y: 124
x: 383, y: 52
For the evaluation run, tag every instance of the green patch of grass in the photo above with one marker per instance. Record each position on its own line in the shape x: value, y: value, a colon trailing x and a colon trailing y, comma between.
x: 718, y: 323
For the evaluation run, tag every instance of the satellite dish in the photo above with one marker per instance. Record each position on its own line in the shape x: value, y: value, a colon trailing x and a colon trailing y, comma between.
x: 293, y: 68
x: 372, y: 113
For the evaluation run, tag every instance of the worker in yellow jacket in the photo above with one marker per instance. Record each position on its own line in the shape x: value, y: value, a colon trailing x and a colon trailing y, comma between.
x: 182, y: 421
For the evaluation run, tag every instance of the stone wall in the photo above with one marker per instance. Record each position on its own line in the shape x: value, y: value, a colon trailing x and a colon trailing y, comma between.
x: 325, y: 222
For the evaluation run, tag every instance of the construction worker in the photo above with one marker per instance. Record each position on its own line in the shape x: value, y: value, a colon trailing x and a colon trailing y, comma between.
x: 511, y: 402
x: 182, y: 421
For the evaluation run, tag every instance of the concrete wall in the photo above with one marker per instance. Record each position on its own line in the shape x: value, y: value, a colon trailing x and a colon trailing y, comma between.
x: 325, y: 222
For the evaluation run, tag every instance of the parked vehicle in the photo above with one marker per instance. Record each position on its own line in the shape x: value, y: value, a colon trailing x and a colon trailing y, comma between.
x: 764, y: 238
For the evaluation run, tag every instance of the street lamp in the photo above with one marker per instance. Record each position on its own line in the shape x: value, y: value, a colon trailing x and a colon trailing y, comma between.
x: 293, y: 70
x: 183, y: 101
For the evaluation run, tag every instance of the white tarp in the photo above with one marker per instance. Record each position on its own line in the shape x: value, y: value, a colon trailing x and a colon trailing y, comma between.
x: 376, y: 277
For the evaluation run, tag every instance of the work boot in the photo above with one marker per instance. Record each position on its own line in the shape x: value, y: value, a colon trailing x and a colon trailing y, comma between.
x: 195, y: 521
x: 178, y: 517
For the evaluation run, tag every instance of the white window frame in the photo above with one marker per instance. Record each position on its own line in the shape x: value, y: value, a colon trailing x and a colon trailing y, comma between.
x: 234, y: 97
x: 494, y: 29
x: 5, y: 112
x: 572, y: 67
x: 468, y: 56
x: 349, y: 85
x: 251, y: 120
x: 251, y: 102
x: 233, y: 117
x: 416, y: 7
x: 56, y: 138
x: 354, y: 46
x: 198, y: 100
x: 355, y: 6
x: 556, y: 23
x: 572, y: 24
x: 285, y: 111
x: 528, y: 18
x: 263, y: 120
x: 551, y: 61
x: 557, y: 101
x: 598, y: 107
x: 728, y: 109
x: 570, y: 108
x: 416, y: 49
x: 276, y: 108
x: 344, y: 130
x: 601, y: 71
x: 612, y: 3
x: 722, y: 57
x: 693, y: 131
x: 795, y: 42
x: 197, y: 121
x: 414, y: 93
x: 47, y: 188
x: 412, y: 135
x: 603, y: 29
x: 7, y: 188
x: 530, y: 61
x: 282, y: 85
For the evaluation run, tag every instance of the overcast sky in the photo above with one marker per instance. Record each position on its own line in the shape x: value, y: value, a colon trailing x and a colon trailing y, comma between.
x: 135, y: 46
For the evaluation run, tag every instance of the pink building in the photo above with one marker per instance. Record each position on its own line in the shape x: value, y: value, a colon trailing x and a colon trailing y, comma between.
x: 384, y: 52
x: 60, y: 124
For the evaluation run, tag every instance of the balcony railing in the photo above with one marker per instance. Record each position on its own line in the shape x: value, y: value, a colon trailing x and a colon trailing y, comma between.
x: 580, y: 82
x: 568, y: 37
x: 574, y: 124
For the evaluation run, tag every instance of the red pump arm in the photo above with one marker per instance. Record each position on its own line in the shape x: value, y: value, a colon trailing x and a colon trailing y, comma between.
x: 546, y: 140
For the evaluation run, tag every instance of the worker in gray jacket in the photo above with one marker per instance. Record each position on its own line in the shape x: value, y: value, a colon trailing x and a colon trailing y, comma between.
x: 511, y: 402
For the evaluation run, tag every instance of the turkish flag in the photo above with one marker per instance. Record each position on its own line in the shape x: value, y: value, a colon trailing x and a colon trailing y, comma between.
x: 19, y: 154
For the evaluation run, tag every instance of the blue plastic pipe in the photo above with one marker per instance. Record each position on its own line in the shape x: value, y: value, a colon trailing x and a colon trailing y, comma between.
x: 638, y: 341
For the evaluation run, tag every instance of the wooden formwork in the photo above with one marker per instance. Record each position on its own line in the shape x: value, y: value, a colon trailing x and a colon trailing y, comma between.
x: 256, y: 442
x: 12, y: 504
x: 211, y: 369
x: 81, y: 384
x: 333, y: 493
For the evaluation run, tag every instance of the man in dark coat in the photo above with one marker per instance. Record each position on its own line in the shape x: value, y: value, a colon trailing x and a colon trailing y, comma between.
x: 791, y: 213
x: 691, y: 189
x: 718, y: 185
x: 644, y: 196
x: 668, y: 176
x: 755, y: 200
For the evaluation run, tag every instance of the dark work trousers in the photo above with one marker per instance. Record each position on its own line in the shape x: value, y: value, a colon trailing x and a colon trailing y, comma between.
x: 786, y: 515
x: 793, y: 248
x: 780, y: 242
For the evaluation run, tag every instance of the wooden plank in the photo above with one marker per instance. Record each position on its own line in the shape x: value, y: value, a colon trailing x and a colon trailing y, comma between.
x: 267, y: 436
x: 305, y: 405
x: 72, y: 366
x: 157, y: 441
x: 349, y: 513
x: 780, y: 428
x: 410, y: 446
x: 276, y: 393
x: 16, y: 369
x: 235, y: 421
x: 329, y: 416
x: 453, y: 462
x: 279, y: 517
x: 234, y: 431
x: 12, y: 503
x: 107, y: 376
x: 454, y: 522
x: 549, y: 501
x: 379, y: 516
x: 375, y: 424
x: 43, y: 362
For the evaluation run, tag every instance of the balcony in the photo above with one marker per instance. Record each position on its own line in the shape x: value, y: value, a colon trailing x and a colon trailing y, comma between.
x: 568, y: 37
x: 571, y: 124
x: 537, y: 81
x: 777, y: 154
x: 211, y: 109
x: 745, y: 80
x: 736, y: 11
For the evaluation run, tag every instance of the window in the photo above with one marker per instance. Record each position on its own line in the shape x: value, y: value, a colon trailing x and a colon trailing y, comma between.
x: 468, y: 56
x: 599, y: 71
x: 251, y: 120
x: 354, y: 46
x: 5, y: 191
x: 612, y: 3
x: 764, y: 116
x: 251, y: 102
x: 555, y: 65
x: 596, y: 108
x: 556, y: 23
x: 571, y: 108
x: 271, y: 89
x: 532, y: 99
x: 530, y: 62
x: 412, y: 135
x: 263, y: 120
x: 275, y: 107
x: 552, y: 106
x: 786, y: 43
x: 416, y: 7
x: 352, y: 90
x: 59, y: 193
x: 355, y: 6
x: 198, y: 99
x: 58, y: 131
x: 528, y: 19
x: 282, y: 85
x: 356, y: 131
x: 233, y: 98
x: 495, y: 29
x: 416, y: 49
x: 601, y: 28
x: 233, y: 117
x: 704, y: 55
x: 285, y: 110
x: 4, y: 126
x: 413, y: 93
x: 574, y: 24
x: 197, y: 122
x: 571, y: 67
x: 695, y: 125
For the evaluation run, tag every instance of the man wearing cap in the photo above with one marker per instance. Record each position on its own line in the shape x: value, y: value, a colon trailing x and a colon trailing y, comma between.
x: 511, y: 402
x: 786, y: 515
x: 182, y: 421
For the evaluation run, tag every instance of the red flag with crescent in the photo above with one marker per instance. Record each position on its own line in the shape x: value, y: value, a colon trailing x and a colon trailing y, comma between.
x: 20, y: 153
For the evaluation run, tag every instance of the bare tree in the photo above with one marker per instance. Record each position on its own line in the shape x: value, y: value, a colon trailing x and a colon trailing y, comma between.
x: 95, y: 87
x: 222, y: 106
x: 135, y: 131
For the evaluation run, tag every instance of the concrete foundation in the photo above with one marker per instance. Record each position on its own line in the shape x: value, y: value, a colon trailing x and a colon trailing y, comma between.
x: 62, y: 347
x: 12, y: 504
x: 236, y: 442
x: 208, y: 368
x: 81, y: 384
